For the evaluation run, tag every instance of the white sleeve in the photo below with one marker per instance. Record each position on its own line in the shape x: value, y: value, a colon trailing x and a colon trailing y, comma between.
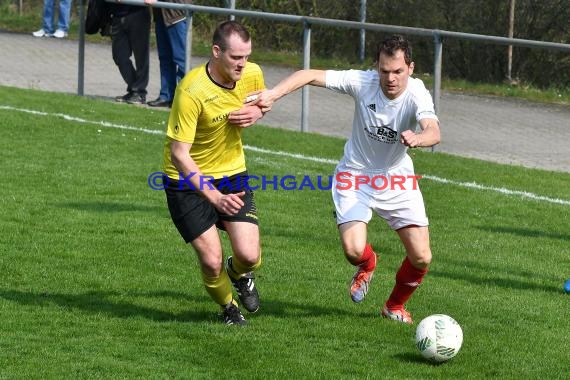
x: 423, y: 100
x: 346, y: 81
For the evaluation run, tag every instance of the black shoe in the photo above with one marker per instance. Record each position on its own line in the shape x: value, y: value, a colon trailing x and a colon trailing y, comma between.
x: 136, y: 98
x: 232, y: 316
x: 123, y: 98
x: 246, y: 290
x: 159, y: 102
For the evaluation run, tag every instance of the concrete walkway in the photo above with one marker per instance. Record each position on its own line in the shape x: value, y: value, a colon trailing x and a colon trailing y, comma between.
x: 489, y: 128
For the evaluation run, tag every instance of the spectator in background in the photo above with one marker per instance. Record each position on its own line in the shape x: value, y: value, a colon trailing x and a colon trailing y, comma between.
x: 170, y: 28
x: 49, y: 16
x: 130, y: 36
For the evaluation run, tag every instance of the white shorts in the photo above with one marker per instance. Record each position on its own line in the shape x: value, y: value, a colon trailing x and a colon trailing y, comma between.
x: 395, y: 196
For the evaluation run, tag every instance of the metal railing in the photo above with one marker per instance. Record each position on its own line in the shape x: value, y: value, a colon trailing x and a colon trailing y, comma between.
x: 307, y: 22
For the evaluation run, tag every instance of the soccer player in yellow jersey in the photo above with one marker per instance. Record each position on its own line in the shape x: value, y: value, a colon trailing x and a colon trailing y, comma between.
x: 206, y: 183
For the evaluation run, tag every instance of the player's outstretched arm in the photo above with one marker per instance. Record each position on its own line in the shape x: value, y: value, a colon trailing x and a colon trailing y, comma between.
x: 293, y: 82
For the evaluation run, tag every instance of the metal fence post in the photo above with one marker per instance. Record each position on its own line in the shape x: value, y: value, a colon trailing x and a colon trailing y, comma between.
x: 437, y: 69
x: 81, y: 52
x: 362, y: 51
x: 232, y: 5
x: 189, y: 18
x: 437, y: 72
x: 306, y: 65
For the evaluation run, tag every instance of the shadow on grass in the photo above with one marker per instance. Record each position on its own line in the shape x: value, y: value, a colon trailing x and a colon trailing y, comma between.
x: 481, y: 275
x: 526, y: 232
x: 103, y: 302
x: 415, y: 359
x: 99, y: 302
x: 286, y: 309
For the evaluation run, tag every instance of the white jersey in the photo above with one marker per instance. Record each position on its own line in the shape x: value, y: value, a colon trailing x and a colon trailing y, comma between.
x: 378, y: 121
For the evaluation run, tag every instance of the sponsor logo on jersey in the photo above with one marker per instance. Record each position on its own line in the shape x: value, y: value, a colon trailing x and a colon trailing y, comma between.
x: 220, y: 118
x: 372, y: 107
x: 211, y: 99
x: 382, y: 133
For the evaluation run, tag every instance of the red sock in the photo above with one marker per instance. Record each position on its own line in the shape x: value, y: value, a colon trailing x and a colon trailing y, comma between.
x: 408, y: 279
x: 366, y: 261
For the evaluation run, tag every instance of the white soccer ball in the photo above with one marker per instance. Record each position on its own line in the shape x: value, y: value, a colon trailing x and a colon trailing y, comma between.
x: 439, y: 337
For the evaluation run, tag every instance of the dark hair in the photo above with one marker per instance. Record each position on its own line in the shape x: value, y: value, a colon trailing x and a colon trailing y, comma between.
x: 392, y: 44
x: 225, y: 30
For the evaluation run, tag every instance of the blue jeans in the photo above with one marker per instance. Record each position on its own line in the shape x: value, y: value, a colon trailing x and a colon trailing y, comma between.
x: 49, y: 15
x: 171, y: 46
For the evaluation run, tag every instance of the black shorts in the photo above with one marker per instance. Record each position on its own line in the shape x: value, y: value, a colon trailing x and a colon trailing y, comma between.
x: 193, y: 214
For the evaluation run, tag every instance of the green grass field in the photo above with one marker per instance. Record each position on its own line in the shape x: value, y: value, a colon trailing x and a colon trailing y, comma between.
x: 97, y: 283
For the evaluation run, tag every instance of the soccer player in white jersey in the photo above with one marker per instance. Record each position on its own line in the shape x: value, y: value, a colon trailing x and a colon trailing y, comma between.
x: 376, y: 174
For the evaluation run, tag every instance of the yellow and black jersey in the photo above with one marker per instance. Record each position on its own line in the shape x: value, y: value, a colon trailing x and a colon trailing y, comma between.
x: 199, y: 116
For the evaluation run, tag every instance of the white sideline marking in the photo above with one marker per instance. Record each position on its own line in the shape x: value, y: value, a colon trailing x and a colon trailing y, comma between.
x: 502, y: 190
x: 470, y: 185
x: 292, y: 155
x: 73, y: 118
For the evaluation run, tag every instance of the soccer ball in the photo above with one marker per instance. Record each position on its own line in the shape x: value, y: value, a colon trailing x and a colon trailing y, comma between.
x: 439, y: 338
x: 567, y: 286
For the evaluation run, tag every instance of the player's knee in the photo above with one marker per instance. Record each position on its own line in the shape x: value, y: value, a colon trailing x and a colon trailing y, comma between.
x: 420, y: 260
x: 212, y: 269
x: 253, y: 263
x: 353, y: 253
x: 248, y: 262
